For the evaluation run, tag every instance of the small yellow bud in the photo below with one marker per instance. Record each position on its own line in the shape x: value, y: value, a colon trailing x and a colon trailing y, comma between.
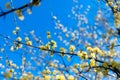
x: 19, y: 39
x: 29, y: 43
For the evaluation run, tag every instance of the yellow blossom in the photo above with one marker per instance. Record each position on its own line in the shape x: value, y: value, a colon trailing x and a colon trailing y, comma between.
x: 92, y: 62
x: 82, y: 55
x: 29, y: 42
x: 43, y: 48
x: 19, y: 38
x: 92, y: 55
x: 35, y: 2
x: 90, y: 49
x: 17, y: 28
x: 60, y: 77
x: 14, y: 32
x: 105, y: 64
x: 11, y: 70
x: 54, y: 45
x: 48, y: 36
x: 47, y: 45
x: 96, y: 49
x: 76, y: 65
x: 26, y: 39
x: 47, y: 77
x: 8, y: 74
x: 62, y: 49
x: 83, y: 65
x: 54, y: 72
x: 114, y: 64
x: 72, y: 48
x: 30, y: 76
x: 36, y: 78
x: 105, y: 72
x: 70, y: 77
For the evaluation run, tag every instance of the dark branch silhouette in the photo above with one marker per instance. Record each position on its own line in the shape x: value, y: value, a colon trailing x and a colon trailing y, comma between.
x: 34, y: 2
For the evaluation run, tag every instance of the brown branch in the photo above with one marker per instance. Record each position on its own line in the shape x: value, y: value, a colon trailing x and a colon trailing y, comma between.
x: 20, y: 8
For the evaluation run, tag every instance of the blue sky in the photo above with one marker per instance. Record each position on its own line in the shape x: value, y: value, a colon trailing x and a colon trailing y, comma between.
x: 41, y: 20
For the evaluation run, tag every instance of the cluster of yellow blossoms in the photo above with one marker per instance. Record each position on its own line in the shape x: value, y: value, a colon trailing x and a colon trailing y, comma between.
x: 82, y: 54
x: 28, y: 42
x: 48, y: 35
x: 72, y: 48
x: 50, y: 45
x: 95, y: 50
x: 9, y: 73
x: 115, y: 9
x: 27, y: 76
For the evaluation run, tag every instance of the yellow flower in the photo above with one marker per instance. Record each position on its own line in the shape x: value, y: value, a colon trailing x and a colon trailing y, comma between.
x: 8, y: 74
x: 19, y: 45
x: 118, y: 79
x: 35, y: 2
x: 101, y: 53
x: 114, y: 64
x: 14, y: 65
x: 21, y: 17
x: 19, y: 38
x: 23, y: 78
x: 42, y: 48
x: 29, y: 43
x: 26, y: 76
x: 60, y: 77
x: 54, y: 72
x: 66, y: 35
x: 47, y: 45
x: 90, y: 49
x: 92, y: 55
x: 76, y: 65
x: 17, y: 28
x: 14, y: 32
x: 48, y: 36
x: 96, y: 49
x: 18, y: 11
x: 82, y: 55
x: 11, y: 70
x: 72, y: 48
x: 54, y: 45
x: 30, y: 76
x: 110, y: 2
x: 71, y: 77
x: 26, y: 39
x: 105, y: 72
x: 105, y: 64
x: 62, y: 49
x: 83, y: 65
x: 72, y: 34
x: 47, y: 77
x: 36, y: 78
x: 92, y: 62
x: 115, y: 6
x: 51, y: 64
